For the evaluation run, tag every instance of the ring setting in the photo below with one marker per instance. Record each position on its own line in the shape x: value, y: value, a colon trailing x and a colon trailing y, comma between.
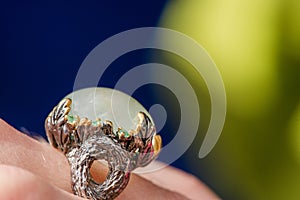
x: 84, y: 141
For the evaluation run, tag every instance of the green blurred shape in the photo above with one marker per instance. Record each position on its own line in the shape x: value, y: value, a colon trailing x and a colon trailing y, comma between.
x: 256, y: 45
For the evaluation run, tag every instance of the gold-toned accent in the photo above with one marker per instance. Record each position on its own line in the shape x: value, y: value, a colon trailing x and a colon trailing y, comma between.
x: 157, y: 143
x: 75, y: 122
x: 108, y: 123
x: 83, y: 141
x: 85, y: 121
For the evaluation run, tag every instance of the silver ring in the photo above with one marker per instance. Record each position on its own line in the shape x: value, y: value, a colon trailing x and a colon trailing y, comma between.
x: 83, y: 141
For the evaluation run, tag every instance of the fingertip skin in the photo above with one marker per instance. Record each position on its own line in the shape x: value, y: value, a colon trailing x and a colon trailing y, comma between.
x: 30, y: 170
x: 140, y: 188
x: 177, y: 180
x: 22, y: 151
x: 16, y: 183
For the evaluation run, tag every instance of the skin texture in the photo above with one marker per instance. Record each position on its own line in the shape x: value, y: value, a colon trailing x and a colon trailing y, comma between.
x: 30, y: 169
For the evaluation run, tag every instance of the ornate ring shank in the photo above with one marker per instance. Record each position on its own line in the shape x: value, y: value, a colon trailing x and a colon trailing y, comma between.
x: 83, y: 141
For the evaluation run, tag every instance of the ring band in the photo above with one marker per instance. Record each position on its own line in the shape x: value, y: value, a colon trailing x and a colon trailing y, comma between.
x: 83, y: 141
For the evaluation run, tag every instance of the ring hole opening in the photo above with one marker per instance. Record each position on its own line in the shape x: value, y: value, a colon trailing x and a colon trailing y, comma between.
x: 99, y: 171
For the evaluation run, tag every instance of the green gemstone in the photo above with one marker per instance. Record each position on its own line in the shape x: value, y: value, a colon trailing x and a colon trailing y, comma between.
x: 71, y: 118
x: 96, y: 123
x: 126, y: 134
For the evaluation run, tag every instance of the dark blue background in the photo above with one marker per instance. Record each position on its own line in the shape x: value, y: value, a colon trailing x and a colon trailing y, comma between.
x: 42, y: 46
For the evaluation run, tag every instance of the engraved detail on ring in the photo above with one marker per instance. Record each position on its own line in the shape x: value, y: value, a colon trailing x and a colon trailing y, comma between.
x: 83, y: 141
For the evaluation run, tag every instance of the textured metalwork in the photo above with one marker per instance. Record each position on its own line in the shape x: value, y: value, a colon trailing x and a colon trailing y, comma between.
x: 83, y: 141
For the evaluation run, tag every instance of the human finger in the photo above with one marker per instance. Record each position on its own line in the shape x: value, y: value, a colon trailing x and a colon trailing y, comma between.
x: 177, y: 180
x: 17, y: 183
x: 44, y: 161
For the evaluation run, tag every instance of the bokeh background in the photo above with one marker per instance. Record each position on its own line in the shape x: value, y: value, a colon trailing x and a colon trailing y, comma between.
x: 255, y: 44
